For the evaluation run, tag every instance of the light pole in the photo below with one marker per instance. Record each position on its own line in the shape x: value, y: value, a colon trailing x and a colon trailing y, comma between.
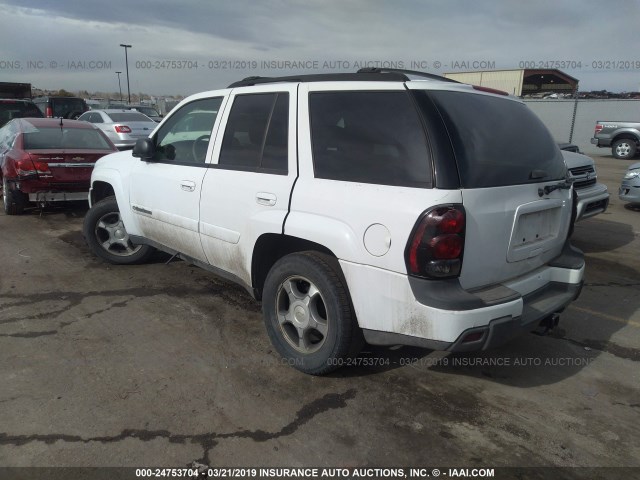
x: 119, y: 87
x: 126, y: 59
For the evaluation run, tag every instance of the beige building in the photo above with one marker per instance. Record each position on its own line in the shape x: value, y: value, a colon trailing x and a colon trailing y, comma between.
x: 520, y: 82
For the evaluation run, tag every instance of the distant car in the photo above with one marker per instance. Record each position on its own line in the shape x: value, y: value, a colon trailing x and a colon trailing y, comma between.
x: 592, y: 196
x: 150, y: 112
x: 630, y: 188
x: 61, y: 107
x: 48, y: 160
x: 569, y: 147
x: 123, y: 127
x: 11, y: 108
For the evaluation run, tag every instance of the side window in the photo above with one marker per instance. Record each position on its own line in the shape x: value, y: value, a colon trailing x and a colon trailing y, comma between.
x: 257, y: 134
x: 369, y: 137
x: 184, y: 138
x: 96, y: 118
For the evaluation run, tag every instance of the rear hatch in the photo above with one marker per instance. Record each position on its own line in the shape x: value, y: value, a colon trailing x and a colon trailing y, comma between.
x: 65, y: 156
x: 505, y: 158
x: 68, y: 107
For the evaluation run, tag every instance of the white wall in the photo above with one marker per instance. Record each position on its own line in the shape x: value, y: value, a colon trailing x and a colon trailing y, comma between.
x: 556, y: 115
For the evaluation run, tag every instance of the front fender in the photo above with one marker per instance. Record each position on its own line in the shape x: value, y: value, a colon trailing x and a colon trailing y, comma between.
x: 109, y: 171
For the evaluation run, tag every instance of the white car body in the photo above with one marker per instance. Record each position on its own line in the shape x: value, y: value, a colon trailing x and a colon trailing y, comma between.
x: 517, y: 270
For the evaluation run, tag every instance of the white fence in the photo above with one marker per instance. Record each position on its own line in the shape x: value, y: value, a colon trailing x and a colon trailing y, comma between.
x: 557, y: 115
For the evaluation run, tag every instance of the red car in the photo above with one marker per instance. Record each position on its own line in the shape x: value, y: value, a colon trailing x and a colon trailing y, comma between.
x: 48, y: 160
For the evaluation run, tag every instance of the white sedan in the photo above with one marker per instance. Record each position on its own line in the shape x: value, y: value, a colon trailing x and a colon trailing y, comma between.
x: 123, y: 127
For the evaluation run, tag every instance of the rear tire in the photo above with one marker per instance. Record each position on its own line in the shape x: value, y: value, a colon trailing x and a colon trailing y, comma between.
x: 624, y: 149
x: 107, y: 236
x: 14, y: 201
x: 308, y: 313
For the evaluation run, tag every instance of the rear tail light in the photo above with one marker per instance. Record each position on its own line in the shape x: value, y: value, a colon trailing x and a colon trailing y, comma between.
x: 122, y: 129
x: 42, y: 168
x: 436, y: 245
x: 598, y: 128
x: 26, y: 169
x: 49, y: 112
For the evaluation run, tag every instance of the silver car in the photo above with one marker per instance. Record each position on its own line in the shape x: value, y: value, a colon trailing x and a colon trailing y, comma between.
x: 630, y: 188
x: 123, y: 127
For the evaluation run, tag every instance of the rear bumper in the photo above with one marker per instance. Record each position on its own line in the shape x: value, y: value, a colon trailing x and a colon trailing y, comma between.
x: 52, y: 196
x: 41, y: 192
x: 601, y: 142
x: 537, y: 306
x: 395, y: 310
x: 124, y: 144
x: 592, y: 201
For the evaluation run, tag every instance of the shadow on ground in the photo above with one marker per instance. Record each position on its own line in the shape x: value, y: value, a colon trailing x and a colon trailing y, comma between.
x: 596, y: 235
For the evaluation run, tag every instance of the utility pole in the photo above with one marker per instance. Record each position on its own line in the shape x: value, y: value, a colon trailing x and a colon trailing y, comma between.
x: 126, y: 59
x: 119, y: 87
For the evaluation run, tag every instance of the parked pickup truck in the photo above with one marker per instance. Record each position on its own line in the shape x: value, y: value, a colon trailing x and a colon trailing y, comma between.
x: 622, y: 137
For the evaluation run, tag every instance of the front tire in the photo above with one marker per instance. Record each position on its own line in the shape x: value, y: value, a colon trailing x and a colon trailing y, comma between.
x: 107, y: 236
x: 624, y: 149
x: 308, y: 313
x: 13, y: 201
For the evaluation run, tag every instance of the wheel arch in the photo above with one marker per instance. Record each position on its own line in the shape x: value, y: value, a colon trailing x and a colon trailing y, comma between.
x: 626, y: 134
x: 271, y: 247
x: 101, y: 190
x: 107, y: 182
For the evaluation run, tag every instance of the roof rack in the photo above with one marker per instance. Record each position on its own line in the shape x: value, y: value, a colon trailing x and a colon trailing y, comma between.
x: 415, y: 73
x: 362, y: 75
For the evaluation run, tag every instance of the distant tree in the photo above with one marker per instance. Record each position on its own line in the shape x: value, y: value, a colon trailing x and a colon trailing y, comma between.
x: 63, y: 93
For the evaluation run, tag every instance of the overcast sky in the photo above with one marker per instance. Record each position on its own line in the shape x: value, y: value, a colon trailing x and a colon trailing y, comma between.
x: 74, y: 44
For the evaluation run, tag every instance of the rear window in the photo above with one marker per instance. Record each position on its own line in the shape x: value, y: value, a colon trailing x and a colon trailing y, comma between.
x: 497, y: 141
x: 369, y: 137
x: 64, y: 138
x: 129, y: 117
x: 67, y: 107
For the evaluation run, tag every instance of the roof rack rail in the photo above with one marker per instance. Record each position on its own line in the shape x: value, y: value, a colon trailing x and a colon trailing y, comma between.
x: 364, y: 74
x: 415, y: 73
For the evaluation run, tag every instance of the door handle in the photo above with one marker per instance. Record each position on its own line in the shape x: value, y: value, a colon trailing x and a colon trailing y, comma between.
x: 266, y: 198
x: 188, y: 185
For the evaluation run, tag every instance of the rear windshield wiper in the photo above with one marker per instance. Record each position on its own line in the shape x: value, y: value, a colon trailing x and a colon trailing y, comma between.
x: 566, y: 185
x: 540, y: 174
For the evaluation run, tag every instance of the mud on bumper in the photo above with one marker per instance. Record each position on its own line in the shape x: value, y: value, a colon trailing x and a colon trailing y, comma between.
x: 550, y: 298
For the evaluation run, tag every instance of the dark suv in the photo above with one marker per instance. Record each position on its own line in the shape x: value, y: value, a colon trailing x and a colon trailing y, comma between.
x: 11, y: 108
x: 61, y: 107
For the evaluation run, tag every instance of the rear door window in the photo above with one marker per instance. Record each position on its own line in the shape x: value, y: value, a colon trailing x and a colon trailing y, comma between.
x: 497, y: 141
x: 369, y: 137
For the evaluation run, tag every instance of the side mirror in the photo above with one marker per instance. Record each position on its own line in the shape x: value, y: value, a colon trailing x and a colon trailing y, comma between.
x: 144, y: 149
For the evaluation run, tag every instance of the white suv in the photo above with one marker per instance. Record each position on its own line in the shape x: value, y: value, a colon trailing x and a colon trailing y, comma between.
x: 382, y: 206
